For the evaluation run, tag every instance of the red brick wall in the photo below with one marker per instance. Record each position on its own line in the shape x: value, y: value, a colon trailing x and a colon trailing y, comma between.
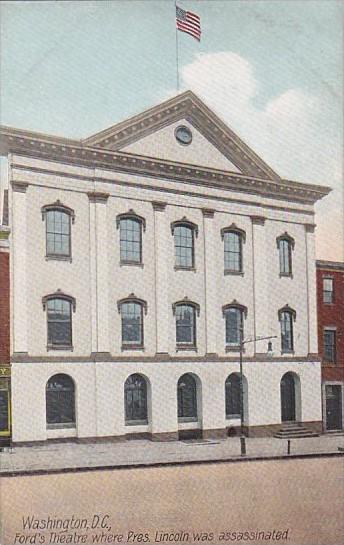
x: 4, y: 308
x: 331, y: 314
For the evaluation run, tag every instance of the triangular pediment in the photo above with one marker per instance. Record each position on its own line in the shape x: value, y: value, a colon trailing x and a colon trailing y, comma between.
x: 214, y: 144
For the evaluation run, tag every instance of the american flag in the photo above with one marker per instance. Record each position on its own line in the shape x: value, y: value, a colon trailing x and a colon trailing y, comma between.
x: 188, y: 22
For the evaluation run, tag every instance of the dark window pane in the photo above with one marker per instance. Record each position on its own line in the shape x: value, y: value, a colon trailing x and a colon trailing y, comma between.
x: 135, y: 398
x: 233, y: 324
x: 286, y: 331
x: 59, y: 322
x: 130, y: 240
x: 60, y: 403
x: 58, y: 233
x: 285, y: 256
x: 187, y: 397
x: 330, y: 346
x: 131, y: 323
x: 184, y: 246
x: 328, y: 290
x: 233, y: 251
x: 233, y: 401
x: 185, y: 324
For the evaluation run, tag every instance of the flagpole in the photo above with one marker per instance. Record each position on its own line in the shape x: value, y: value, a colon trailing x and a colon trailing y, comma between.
x: 177, y: 52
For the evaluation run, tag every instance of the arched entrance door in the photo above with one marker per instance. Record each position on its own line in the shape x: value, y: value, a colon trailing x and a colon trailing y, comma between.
x: 288, y: 398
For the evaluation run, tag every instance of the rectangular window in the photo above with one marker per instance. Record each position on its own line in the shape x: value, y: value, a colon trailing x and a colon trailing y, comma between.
x: 130, y: 241
x: 328, y: 290
x: 185, y: 325
x: 58, y: 233
x: 132, y: 333
x: 287, y: 341
x: 285, y: 257
x: 59, y: 323
x: 330, y: 345
x: 233, y: 325
x: 184, y: 246
x: 233, y: 252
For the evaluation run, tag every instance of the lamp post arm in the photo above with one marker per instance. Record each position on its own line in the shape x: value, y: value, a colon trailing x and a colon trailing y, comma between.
x: 259, y: 339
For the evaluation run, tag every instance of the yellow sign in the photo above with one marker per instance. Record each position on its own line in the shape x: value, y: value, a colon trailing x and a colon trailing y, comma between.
x: 5, y: 371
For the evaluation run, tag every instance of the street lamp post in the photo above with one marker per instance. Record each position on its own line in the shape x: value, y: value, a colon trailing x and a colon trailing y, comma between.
x: 242, y: 342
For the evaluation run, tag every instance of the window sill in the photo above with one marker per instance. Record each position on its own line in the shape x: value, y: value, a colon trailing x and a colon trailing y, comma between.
x: 68, y: 347
x: 136, y: 422
x: 131, y: 264
x: 59, y: 258
x: 286, y: 275
x: 330, y: 363
x: 186, y: 347
x: 181, y: 268
x: 234, y: 273
x: 234, y: 348
x: 132, y: 347
x: 233, y: 416
x: 287, y: 352
x: 61, y: 426
x: 187, y: 419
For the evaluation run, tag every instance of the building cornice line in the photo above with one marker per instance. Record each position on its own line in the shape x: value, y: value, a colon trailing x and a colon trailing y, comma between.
x: 173, y: 171
x: 173, y: 192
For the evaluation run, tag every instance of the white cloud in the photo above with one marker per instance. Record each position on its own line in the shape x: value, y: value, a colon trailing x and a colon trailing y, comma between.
x: 295, y: 132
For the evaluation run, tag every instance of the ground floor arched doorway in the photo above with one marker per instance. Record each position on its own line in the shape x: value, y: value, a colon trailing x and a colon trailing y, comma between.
x: 288, y: 408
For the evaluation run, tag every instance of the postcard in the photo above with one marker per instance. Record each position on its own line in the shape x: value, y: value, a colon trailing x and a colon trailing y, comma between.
x: 171, y: 272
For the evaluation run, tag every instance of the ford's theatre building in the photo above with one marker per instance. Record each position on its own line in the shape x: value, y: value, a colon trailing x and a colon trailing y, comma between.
x: 137, y: 254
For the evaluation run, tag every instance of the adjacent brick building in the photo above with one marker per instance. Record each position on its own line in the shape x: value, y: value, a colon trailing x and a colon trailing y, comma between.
x: 5, y: 370
x: 330, y: 293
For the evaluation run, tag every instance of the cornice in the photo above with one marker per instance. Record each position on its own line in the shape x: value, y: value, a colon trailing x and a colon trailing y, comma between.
x: 330, y: 265
x: 77, y: 154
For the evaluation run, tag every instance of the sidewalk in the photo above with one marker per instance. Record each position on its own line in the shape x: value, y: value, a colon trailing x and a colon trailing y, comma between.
x: 61, y: 457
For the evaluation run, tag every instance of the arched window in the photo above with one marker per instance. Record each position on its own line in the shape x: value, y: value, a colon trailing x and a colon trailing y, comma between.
x: 58, y: 219
x: 135, y: 400
x: 285, y: 245
x: 233, y: 239
x: 234, y: 316
x: 131, y: 310
x: 59, y: 320
x: 130, y: 225
x: 60, y: 402
x: 233, y: 396
x: 184, y: 233
x: 187, y: 397
x: 286, y: 317
x: 185, y: 313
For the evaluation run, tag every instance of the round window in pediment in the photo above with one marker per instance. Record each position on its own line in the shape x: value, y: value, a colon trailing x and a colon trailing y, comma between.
x: 183, y: 135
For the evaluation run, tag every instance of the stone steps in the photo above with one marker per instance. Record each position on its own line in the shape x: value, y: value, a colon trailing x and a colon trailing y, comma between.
x: 294, y: 430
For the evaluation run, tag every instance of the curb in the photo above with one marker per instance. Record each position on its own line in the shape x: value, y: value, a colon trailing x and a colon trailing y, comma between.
x: 142, y: 465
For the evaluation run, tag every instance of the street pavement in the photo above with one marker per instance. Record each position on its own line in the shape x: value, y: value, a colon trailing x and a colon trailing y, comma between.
x: 71, y: 456
x: 299, y: 501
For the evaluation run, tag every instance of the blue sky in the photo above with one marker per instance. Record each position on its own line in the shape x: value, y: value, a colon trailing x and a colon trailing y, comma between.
x: 271, y: 69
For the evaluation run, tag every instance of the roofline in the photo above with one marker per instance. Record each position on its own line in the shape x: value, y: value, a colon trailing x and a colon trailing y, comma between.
x: 331, y: 265
x: 181, y: 106
x: 39, y: 145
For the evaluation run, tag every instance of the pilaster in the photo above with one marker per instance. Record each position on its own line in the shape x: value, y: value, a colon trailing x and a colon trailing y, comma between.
x: 19, y: 272
x: 161, y: 240
x: 99, y: 272
x: 209, y: 280
x: 311, y: 289
x: 260, y: 277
